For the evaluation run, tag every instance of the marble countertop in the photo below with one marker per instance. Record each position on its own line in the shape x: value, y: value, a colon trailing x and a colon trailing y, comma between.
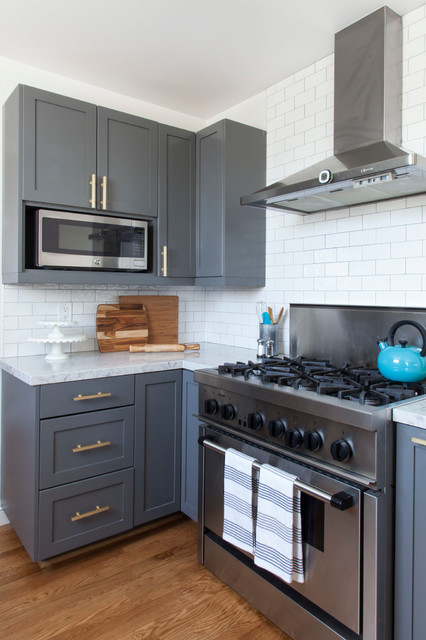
x: 35, y: 370
x: 413, y: 414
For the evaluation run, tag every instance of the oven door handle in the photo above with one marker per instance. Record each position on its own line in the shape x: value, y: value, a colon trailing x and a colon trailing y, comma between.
x: 340, y: 500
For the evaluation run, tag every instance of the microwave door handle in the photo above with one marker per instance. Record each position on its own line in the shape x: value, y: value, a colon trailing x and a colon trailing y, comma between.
x: 340, y: 500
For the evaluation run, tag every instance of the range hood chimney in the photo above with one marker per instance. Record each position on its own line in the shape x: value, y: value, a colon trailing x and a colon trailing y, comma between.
x: 368, y: 164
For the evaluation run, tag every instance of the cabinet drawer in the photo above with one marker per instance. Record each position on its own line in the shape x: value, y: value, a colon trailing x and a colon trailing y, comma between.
x: 66, y: 398
x: 82, y: 512
x: 85, y: 445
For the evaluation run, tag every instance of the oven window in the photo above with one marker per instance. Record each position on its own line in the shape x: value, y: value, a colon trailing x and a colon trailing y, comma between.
x: 312, y: 512
x: 91, y: 238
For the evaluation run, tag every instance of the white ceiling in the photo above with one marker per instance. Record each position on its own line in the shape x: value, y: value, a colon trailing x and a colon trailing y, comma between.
x: 192, y: 56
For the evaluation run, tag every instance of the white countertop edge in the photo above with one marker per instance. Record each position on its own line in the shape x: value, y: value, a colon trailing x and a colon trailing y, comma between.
x: 85, y: 365
x: 413, y: 414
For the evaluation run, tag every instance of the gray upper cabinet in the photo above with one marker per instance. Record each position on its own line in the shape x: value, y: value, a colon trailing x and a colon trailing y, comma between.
x: 78, y: 155
x: 230, y: 241
x: 176, y: 204
x: 59, y: 151
x: 127, y: 163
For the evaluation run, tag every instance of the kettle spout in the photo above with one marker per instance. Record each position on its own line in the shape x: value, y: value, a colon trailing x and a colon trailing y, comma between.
x: 382, y: 345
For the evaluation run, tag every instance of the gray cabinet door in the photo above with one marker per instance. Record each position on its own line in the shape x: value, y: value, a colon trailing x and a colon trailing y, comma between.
x: 176, y: 200
x: 410, y: 534
x: 127, y: 158
x: 210, y: 201
x: 190, y: 427
x: 59, y: 148
x: 158, y: 410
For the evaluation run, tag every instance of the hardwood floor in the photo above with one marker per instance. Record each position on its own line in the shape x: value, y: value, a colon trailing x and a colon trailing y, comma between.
x: 145, y: 585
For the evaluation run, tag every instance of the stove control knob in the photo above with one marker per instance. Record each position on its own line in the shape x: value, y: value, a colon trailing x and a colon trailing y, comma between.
x: 341, y: 450
x: 255, y: 421
x: 229, y: 412
x: 211, y: 406
x: 312, y: 440
x: 276, y: 428
x: 293, y: 438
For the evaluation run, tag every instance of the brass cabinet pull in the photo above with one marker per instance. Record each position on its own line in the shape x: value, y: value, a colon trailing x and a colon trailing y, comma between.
x: 419, y: 441
x: 80, y: 516
x: 93, y: 191
x: 104, y: 192
x: 164, y: 267
x: 95, y: 395
x: 98, y: 444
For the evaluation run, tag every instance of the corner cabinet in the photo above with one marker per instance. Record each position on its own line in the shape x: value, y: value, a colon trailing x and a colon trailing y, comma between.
x: 231, y: 162
x: 158, y: 401
x: 410, y: 534
x: 176, y: 202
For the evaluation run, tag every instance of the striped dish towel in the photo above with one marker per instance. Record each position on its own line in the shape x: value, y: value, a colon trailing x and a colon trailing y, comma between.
x: 238, y: 522
x: 279, y: 527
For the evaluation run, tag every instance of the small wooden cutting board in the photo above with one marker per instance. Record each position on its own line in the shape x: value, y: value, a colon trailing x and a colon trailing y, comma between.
x: 117, y: 328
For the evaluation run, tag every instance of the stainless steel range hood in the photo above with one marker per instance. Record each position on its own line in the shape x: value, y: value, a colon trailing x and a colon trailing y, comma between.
x: 368, y: 164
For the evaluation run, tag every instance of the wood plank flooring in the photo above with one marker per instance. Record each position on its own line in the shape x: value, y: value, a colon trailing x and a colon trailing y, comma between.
x: 144, y: 585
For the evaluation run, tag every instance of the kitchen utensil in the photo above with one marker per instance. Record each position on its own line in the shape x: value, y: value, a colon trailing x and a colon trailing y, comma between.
x: 402, y: 363
x: 260, y: 308
x: 280, y: 314
x: 265, y: 318
x: 162, y: 314
x: 157, y: 348
x: 117, y: 328
x: 271, y: 315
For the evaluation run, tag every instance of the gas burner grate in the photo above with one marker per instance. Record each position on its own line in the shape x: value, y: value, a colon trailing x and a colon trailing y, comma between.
x: 353, y: 383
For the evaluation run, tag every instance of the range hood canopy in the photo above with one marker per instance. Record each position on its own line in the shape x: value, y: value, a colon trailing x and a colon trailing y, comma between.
x: 368, y: 164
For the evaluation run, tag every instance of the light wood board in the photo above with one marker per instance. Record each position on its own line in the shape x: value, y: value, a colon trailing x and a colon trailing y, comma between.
x: 163, y: 316
x: 118, y: 328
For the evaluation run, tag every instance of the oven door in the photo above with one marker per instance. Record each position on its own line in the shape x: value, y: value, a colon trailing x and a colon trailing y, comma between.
x: 331, y: 538
x: 72, y: 240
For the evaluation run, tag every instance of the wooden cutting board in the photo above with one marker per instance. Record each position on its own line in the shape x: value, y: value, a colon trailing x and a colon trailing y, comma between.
x: 118, y: 328
x: 163, y: 316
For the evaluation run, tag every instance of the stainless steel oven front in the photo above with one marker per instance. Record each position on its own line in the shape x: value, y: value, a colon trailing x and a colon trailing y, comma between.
x: 87, y: 241
x: 328, y: 605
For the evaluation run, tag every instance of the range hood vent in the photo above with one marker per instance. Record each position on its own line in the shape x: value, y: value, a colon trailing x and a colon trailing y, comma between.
x: 368, y: 164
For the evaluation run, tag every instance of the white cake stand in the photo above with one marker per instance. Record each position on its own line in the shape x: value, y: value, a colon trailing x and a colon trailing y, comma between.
x: 57, y: 338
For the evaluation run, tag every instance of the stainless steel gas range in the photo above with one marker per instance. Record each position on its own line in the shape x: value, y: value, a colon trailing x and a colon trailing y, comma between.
x: 329, y: 423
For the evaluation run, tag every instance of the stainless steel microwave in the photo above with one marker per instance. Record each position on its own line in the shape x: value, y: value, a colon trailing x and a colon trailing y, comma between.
x: 86, y: 241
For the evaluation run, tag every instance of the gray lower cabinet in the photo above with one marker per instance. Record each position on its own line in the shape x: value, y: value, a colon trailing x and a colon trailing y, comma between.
x: 158, y: 404
x: 410, y: 534
x: 176, y: 202
x: 67, y: 461
x: 231, y: 162
x: 190, y: 428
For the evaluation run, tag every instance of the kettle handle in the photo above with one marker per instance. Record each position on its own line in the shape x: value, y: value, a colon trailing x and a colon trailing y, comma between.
x: 400, y: 323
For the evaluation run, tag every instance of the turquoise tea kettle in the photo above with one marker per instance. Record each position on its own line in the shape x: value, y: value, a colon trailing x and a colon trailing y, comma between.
x: 402, y: 363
